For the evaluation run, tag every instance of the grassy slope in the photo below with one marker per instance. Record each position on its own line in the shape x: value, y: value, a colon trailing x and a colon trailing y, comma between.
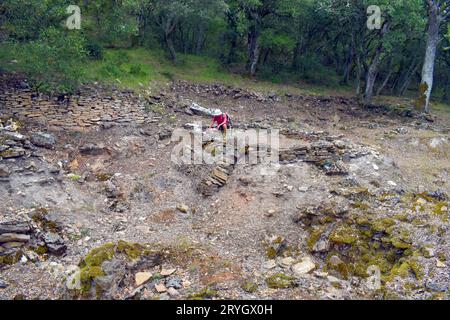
x: 190, y: 67
x: 156, y: 69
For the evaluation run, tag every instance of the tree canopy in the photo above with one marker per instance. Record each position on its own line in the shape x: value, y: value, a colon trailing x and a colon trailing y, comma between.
x: 324, y: 42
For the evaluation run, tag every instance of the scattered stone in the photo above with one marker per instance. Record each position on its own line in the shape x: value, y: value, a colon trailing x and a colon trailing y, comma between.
x: 14, y: 237
x: 54, y: 243
x: 199, y: 110
x: 142, y: 277
x: 167, y: 272
x: 333, y: 279
x: 421, y: 201
x: 287, y: 262
x: 15, y: 152
x: 440, y: 264
x: 173, y: 292
x: 304, y: 267
x: 3, y: 284
x: 176, y: 283
x: 401, y: 130
x: 15, y: 136
x: 269, y: 264
x: 270, y: 213
x: 4, y: 171
x: 14, y: 227
x: 166, y: 134
x: 160, y: 288
x: 335, y: 261
x: 92, y: 149
x: 183, y: 208
x: 44, y: 140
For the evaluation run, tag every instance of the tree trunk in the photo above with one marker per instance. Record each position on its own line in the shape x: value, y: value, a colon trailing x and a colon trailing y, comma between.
x: 385, y: 82
x: 373, y: 69
x: 297, y: 53
x: 358, y: 75
x: 408, y: 78
x: 348, y: 65
x: 426, y: 84
x: 254, y: 50
x: 170, y: 46
x: 200, y: 39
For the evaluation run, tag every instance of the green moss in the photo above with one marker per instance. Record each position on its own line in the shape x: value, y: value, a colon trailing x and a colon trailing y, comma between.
x: 360, y: 205
x: 271, y: 253
x: 132, y: 250
x: 421, y: 100
x: 383, y: 225
x: 74, y: 177
x: 205, y: 293
x: 103, y: 176
x: 314, y: 236
x: 87, y: 275
x: 403, y: 269
x: 441, y: 209
x: 40, y: 250
x: 341, y: 267
x: 358, y: 194
x: 11, y: 259
x: 40, y: 217
x: 280, y: 281
x: 249, y: 286
x: 97, y: 256
x: 344, y: 234
x: 401, y: 243
x: 401, y: 217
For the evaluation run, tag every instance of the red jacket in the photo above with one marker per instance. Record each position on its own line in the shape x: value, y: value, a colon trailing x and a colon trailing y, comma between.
x: 220, y: 119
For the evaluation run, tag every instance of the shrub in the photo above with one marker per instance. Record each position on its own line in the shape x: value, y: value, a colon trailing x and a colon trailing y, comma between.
x: 53, y: 62
x: 94, y: 51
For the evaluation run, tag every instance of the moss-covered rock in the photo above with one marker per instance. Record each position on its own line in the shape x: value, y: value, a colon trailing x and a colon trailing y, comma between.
x: 249, y: 286
x: 344, y: 234
x: 206, y: 293
x: 281, y: 281
x: 92, y: 265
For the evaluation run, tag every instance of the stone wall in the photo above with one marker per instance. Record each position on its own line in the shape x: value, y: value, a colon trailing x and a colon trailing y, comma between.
x: 93, y: 106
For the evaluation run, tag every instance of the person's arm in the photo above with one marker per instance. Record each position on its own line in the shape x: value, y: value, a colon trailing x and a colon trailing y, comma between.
x: 212, y: 123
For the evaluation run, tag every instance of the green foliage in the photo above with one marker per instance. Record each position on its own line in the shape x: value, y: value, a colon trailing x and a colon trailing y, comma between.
x: 316, y: 42
x: 54, y: 61
x: 94, y: 50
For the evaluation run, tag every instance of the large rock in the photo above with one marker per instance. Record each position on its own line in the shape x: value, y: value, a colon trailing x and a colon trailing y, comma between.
x: 92, y: 149
x: 14, y: 237
x: 14, y: 227
x: 199, y: 110
x: 15, y: 152
x: 44, y: 140
x: 15, y: 136
x: 142, y: 277
x: 54, y: 243
x: 303, y: 267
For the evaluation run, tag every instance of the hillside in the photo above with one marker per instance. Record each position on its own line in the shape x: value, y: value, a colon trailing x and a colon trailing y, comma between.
x: 97, y: 207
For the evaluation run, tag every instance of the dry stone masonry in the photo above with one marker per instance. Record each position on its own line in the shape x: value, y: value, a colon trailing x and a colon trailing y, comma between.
x: 87, y: 109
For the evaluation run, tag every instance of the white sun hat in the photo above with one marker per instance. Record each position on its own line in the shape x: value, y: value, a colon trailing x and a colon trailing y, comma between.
x: 217, y: 112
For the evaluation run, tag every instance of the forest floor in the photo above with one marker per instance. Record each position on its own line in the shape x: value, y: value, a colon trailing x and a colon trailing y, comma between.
x: 135, y: 225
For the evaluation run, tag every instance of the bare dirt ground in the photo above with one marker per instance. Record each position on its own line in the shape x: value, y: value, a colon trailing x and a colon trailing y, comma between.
x: 295, y: 234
